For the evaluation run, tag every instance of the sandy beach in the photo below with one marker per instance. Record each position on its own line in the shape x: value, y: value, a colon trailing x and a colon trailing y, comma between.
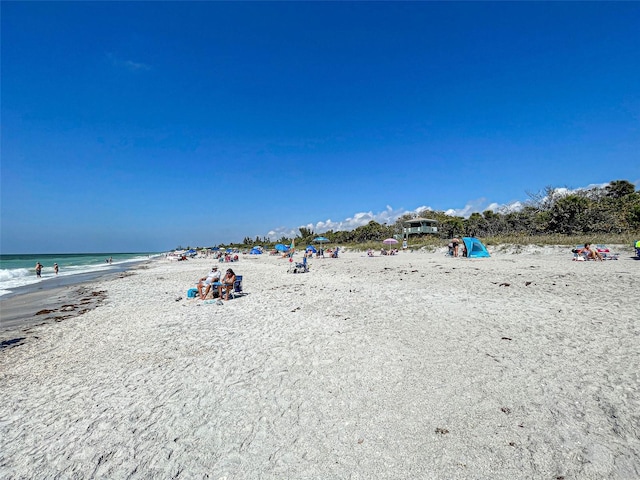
x: 523, y: 365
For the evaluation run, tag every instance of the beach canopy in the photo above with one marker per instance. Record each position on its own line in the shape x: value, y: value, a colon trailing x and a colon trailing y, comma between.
x: 311, y: 248
x: 255, y: 251
x: 475, y: 248
x: 281, y: 247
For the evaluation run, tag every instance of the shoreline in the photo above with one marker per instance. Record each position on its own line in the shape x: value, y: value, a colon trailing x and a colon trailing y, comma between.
x: 52, y: 299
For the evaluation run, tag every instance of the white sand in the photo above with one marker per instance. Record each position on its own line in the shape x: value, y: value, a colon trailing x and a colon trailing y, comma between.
x: 403, y: 367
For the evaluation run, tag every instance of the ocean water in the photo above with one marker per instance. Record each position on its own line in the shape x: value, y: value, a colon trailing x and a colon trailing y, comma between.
x: 19, y: 270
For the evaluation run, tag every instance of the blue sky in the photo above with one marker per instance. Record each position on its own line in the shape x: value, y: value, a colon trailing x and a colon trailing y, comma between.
x: 144, y: 126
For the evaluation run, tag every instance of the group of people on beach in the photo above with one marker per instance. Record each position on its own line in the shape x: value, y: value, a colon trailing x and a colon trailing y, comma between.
x: 39, y: 269
x: 213, y: 280
x: 588, y: 252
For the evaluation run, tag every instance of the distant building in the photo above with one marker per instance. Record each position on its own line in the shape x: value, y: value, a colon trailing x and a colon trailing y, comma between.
x: 417, y: 226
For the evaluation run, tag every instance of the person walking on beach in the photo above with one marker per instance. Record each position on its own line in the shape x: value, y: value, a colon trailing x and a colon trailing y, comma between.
x: 38, y: 270
x: 55, y: 268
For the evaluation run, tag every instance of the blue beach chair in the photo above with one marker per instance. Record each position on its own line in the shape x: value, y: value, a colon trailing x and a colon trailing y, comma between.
x: 300, y: 267
x: 237, y: 287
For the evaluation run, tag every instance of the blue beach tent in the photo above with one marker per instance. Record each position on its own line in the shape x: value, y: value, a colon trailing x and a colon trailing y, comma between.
x: 255, y: 251
x: 475, y: 248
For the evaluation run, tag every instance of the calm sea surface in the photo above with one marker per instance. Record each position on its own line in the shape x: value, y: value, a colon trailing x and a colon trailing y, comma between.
x: 19, y: 270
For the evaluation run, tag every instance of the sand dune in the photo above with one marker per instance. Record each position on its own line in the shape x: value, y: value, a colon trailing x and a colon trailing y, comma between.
x: 410, y: 366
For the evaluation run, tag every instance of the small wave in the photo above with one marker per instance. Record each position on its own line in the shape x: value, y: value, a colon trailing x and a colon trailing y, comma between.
x: 11, y: 278
x: 20, y: 277
x: 14, y: 273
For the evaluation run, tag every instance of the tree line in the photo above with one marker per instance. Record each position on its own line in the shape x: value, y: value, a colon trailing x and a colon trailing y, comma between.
x: 613, y: 209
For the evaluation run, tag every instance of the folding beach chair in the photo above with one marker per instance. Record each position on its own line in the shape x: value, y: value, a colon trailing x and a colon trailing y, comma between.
x: 237, y: 287
x: 299, y: 267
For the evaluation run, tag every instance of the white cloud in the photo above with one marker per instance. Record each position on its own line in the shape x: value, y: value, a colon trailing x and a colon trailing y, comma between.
x: 127, y: 64
x: 280, y: 232
x: 387, y: 216
x: 471, y: 207
x: 390, y: 215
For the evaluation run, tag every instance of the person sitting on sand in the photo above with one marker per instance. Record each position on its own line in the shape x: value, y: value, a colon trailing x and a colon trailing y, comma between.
x: 588, y: 252
x: 204, y: 284
x: 227, y: 283
x: 591, y: 252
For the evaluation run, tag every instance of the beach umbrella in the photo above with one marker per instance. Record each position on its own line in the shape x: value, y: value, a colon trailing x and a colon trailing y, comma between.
x: 281, y: 248
x: 321, y: 240
x: 390, y: 241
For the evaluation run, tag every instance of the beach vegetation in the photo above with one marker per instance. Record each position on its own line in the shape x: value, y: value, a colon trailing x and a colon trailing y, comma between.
x: 553, y: 216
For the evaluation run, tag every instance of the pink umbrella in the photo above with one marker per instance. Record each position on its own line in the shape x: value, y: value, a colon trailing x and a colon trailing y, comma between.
x: 390, y: 241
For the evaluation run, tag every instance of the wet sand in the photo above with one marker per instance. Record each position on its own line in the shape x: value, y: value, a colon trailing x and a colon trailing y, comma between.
x: 55, y: 299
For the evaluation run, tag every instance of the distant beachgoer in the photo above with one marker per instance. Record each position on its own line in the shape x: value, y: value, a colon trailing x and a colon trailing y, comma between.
x: 590, y: 252
x: 55, y: 268
x: 110, y: 259
x: 38, y: 270
x: 455, y: 242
